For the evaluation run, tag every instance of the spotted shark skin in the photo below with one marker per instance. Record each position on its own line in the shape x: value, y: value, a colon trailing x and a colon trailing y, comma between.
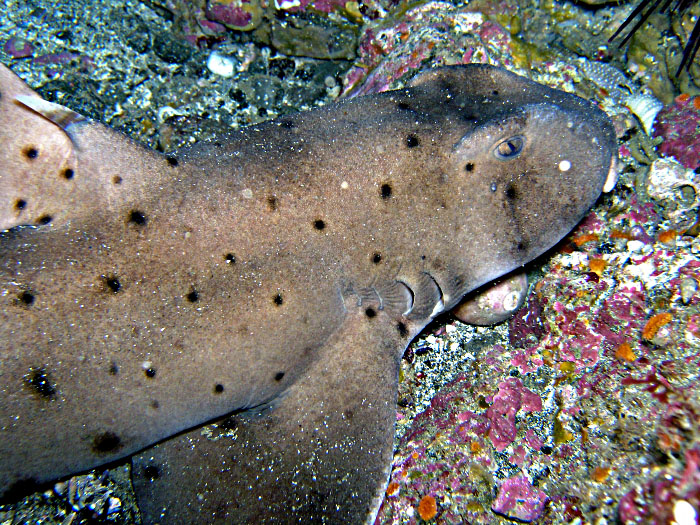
x: 268, y: 281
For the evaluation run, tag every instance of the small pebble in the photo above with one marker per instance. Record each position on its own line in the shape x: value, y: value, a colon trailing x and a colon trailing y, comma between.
x: 220, y: 65
x: 684, y: 513
x: 688, y: 288
x: 18, y: 48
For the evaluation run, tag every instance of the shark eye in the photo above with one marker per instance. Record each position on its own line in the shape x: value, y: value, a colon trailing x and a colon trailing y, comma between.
x: 509, y: 148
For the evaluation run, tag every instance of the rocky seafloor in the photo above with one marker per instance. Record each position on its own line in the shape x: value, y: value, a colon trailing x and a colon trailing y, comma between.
x: 584, y: 407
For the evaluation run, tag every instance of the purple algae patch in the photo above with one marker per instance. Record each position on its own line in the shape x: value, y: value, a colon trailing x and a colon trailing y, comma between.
x: 678, y: 125
x: 231, y: 16
x: 518, y: 499
x: 526, y: 326
x: 512, y: 396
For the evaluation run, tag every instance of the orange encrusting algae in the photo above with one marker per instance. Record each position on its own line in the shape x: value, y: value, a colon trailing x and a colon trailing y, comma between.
x: 600, y: 474
x: 597, y: 266
x: 624, y: 351
x: 668, y: 236
x: 586, y: 237
x: 617, y: 234
x: 392, y: 489
x: 654, y: 324
x: 427, y: 508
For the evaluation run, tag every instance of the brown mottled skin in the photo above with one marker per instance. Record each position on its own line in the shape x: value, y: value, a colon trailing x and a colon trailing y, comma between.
x: 276, y: 274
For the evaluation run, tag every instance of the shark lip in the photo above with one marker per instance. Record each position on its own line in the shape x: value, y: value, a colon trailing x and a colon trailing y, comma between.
x: 613, y: 174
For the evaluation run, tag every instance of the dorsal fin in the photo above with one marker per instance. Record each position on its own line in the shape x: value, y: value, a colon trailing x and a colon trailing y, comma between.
x: 53, y: 161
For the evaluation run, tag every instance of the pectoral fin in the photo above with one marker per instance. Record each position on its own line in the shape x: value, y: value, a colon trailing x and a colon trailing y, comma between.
x: 58, y: 166
x: 321, y: 454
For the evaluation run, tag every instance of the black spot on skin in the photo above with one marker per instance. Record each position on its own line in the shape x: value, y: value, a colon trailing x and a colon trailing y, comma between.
x: 272, y: 203
x: 20, y: 204
x: 403, y: 106
x: 137, y: 217
x: 403, y: 331
x: 348, y: 414
x: 278, y: 300
x: 412, y: 141
x: 193, y: 296
x: 319, y: 224
x: 386, y: 191
x: 172, y: 161
x: 26, y: 298
x: 44, y: 219
x: 510, y: 192
x: 370, y: 312
x: 113, y: 369
x: 106, y: 442
x: 150, y: 372
x: 68, y: 173
x: 116, y: 179
x: 287, y: 124
x: 155, y: 404
x: 218, y: 388
x: 230, y: 258
x: 469, y: 167
x: 151, y: 472
x: 31, y: 152
x: 279, y: 376
x: 112, y: 284
x: 445, y: 87
x: 521, y: 246
x: 495, y: 92
x: 377, y: 258
x: 39, y: 381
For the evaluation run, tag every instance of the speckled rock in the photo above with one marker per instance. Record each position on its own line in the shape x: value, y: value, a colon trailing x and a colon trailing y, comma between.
x: 170, y: 49
x: 676, y: 190
x: 314, y: 37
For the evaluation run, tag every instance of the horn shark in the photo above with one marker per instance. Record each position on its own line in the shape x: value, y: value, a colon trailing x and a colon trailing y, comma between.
x: 268, y: 281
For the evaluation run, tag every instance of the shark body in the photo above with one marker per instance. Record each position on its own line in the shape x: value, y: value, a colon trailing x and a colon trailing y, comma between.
x: 268, y: 281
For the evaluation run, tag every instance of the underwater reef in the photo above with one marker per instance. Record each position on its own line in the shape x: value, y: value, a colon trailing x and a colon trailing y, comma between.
x: 582, y: 407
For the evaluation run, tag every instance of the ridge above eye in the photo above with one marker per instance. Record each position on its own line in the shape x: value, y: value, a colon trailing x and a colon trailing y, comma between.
x: 509, y: 148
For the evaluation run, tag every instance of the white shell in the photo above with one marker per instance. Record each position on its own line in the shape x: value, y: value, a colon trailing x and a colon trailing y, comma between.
x: 645, y: 108
x: 220, y: 65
